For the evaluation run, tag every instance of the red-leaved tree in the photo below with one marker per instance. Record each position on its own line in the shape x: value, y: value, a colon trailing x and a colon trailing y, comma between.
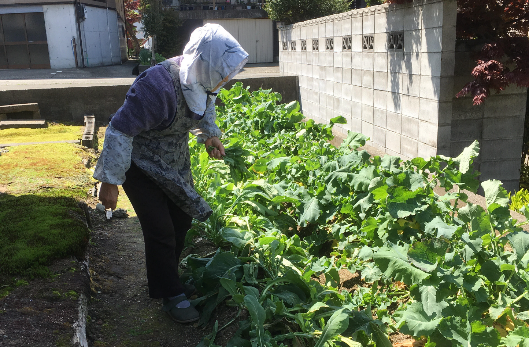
x: 132, y: 15
x: 502, y: 27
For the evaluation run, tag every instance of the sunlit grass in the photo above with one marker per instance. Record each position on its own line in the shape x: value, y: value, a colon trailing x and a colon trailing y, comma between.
x: 40, y: 219
x: 54, y: 132
x: 32, y: 167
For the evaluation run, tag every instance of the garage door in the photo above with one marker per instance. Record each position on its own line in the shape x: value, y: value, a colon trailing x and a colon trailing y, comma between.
x: 23, y: 42
x: 254, y: 35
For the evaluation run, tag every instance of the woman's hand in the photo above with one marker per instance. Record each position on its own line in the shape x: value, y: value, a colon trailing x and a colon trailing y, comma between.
x: 215, y: 148
x: 108, y: 195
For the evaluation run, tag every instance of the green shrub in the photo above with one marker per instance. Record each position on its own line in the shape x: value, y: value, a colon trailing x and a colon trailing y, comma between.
x: 146, y: 56
x: 519, y: 200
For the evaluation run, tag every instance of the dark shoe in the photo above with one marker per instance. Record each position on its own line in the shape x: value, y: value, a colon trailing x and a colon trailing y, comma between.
x: 180, y: 315
x: 189, y: 290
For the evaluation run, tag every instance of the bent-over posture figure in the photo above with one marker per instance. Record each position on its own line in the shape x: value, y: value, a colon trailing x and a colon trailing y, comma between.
x: 146, y: 151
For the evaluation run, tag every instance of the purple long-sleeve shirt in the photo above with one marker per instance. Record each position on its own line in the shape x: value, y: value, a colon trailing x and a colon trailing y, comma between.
x: 150, y: 103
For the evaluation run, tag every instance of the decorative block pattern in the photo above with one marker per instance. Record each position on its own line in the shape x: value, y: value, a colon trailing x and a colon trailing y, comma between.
x: 396, y: 40
x: 347, y: 43
x: 368, y: 42
x: 329, y: 44
x: 315, y: 44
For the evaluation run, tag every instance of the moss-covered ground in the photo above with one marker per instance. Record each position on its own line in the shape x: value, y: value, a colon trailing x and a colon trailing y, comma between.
x: 41, y: 185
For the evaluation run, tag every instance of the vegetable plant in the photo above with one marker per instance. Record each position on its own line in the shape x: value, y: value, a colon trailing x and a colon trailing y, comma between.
x: 298, y: 213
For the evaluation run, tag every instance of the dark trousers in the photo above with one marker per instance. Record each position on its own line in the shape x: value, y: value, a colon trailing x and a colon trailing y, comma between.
x: 164, y: 227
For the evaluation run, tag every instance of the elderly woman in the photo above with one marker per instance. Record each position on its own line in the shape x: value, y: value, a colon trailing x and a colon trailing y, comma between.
x: 146, y: 151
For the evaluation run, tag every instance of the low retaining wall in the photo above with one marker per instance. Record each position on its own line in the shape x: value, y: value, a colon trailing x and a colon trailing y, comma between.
x: 63, y: 103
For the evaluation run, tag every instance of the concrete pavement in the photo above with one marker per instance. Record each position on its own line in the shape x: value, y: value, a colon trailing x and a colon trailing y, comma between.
x: 67, y: 95
x: 22, y: 79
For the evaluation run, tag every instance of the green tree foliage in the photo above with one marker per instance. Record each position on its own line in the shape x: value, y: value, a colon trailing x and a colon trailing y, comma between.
x: 293, y: 11
x: 161, y: 23
x: 151, y: 17
x: 169, y: 42
x: 370, y: 3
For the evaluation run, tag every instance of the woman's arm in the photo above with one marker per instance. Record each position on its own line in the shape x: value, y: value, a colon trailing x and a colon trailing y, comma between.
x: 150, y: 104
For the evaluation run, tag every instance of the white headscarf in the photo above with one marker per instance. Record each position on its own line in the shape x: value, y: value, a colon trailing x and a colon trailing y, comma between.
x: 210, y: 55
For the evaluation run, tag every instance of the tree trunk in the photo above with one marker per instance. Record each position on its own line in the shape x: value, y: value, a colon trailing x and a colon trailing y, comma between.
x: 153, y: 57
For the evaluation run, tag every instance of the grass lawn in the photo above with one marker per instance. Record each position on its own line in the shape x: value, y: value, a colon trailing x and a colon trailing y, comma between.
x: 41, y: 187
x: 54, y: 132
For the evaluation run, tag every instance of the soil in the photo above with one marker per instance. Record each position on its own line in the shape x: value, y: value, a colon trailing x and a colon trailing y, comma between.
x: 120, y: 312
x: 43, y: 312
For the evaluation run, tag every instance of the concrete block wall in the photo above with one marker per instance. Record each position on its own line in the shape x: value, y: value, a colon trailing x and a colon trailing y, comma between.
x: 394, y: 94
x: 391, y: 72
x: 498, y: 125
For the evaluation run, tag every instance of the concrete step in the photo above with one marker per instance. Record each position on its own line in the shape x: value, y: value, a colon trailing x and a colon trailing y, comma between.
x: 20, y: 111
x: 23, y: 123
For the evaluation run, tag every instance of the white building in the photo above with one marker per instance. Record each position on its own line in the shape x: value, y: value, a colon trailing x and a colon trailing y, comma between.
x: 61, y: 33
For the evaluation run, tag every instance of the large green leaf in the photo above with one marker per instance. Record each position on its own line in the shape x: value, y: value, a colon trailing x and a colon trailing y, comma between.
x: 335, y: 326
x: 353, y: 159
x: 237, y: 238
x: 219, y: 265
x: 394, y: 263
x: 391, y: 164
x: 364, y: 204
x: 472, y: 247
x: 290, y: 294
x: 353, y: 141
x: 443, y: 230
x: 311, y: 212
x: 455, y: 328
x: 519, y: 240
x: 258, y: 315
x: 477, y: 217
x: 476, y: 287
x: 414, y: 321
x: 281, y: 161
x: 517, y: 337
x: 495, y: 193
x: 338, y: 120
x: 362, y: 180
x: 429, y: 300
x: 292, y: 107
x: 466, y: 157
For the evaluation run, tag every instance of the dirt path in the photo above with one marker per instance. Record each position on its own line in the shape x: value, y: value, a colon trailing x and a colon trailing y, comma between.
x: 120, y: 313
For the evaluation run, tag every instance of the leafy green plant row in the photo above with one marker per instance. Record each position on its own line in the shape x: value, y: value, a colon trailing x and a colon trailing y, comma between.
x: 291, y: 212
